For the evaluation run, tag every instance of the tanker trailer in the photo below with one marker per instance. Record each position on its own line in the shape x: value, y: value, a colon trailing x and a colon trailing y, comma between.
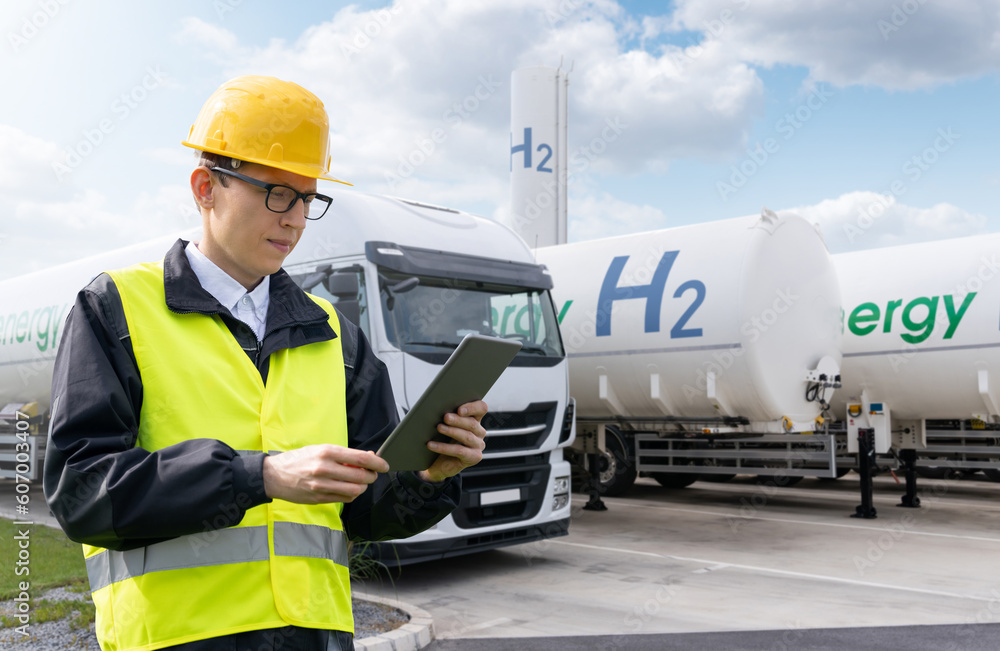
x: 705, y: 349
x: 922, y: 352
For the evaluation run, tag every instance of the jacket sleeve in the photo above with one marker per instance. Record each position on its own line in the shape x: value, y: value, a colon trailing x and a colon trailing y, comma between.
x: 104, y: 490
x: 398, y: 504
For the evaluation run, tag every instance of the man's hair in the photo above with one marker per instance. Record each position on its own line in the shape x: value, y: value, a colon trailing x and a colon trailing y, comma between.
x: 209, y: 160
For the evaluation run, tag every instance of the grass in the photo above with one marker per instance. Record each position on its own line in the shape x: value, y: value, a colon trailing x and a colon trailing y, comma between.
x: 54, y: 560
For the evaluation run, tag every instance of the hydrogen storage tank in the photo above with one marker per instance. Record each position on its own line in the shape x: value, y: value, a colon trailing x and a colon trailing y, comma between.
x: 721, y: 328
x: 922, y: 350
x: 921, y: 327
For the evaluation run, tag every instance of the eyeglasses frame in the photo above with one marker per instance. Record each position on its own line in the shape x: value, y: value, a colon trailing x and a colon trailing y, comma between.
x: 306, y: 197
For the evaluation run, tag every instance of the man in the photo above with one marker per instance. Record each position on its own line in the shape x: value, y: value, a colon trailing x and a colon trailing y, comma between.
x: 213, y: 426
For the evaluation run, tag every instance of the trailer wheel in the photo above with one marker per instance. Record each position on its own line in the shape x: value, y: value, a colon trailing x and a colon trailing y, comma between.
x: 617, y: 466
x: 675, y: 479
x: 840, y: 473
x: 715, y: 477
x: 993, y: 474
x: 936, y: 472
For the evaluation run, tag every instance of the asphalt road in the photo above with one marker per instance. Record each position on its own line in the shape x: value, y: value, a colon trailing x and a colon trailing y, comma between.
x: 733, y: 566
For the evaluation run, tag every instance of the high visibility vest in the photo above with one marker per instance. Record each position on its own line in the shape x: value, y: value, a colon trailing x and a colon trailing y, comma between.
x: 283, y: 563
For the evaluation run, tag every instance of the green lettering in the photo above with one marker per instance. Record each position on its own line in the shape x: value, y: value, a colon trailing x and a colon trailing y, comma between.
x: 565, y: 307
x: 955, y: 318
x: 8, y: 336
x: 927, y: 325
x: 57, y: 320
x: 44, y: 328
x: 22, y: 327
x: 889, y: 309
x: 518, y: 328
x: 865, y: 313
x: 507, y: 311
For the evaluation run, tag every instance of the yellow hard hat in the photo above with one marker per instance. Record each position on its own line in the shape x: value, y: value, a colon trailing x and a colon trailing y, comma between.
x: 267, y: 121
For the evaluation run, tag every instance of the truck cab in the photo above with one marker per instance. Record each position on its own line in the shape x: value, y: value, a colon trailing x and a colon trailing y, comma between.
x: 415, y: 292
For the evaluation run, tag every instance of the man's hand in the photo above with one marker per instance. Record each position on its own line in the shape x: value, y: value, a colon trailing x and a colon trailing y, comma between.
x: 320, y: 474
x: 467, y: 447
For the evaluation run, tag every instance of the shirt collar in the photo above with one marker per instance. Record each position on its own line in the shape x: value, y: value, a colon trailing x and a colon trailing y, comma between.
x: 223, y: 287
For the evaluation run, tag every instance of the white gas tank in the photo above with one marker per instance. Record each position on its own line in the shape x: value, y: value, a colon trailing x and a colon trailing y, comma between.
x: 717, y: 319
x: 922, y: 328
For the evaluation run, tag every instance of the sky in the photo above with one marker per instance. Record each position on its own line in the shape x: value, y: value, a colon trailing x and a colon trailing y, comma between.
x: 876, y: 120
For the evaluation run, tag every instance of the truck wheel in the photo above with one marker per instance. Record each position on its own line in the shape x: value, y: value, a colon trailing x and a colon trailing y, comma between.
x: 617, y: 466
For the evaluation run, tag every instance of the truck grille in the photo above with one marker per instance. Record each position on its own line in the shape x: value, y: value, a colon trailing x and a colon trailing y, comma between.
x: 519, y: 430
x: 529, y: 475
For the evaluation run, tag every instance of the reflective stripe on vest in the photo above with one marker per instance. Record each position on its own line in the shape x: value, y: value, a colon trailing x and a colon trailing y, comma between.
x: 284, y: 563
x: 243, y: 545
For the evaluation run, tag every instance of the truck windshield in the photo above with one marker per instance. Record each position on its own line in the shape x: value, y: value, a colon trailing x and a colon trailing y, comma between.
x: 433, y: 314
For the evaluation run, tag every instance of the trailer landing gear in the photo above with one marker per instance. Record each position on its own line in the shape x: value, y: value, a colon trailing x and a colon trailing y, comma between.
x: 866, y: 468
x: 908, y: 458
x: 595, y: 503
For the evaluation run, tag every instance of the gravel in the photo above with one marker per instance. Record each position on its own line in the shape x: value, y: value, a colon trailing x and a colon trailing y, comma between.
x: 369, y: 619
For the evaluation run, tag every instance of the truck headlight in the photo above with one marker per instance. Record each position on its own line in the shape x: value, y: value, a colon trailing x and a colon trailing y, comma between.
x: 560, y: 486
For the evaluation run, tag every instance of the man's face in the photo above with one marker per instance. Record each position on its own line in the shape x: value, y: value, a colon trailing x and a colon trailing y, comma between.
x: 242, y: 236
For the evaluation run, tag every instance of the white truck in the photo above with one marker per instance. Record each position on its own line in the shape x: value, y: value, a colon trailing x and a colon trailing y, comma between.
x: 415, y: 278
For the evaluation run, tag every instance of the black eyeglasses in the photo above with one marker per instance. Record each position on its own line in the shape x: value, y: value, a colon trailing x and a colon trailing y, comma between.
x: 281, y: 198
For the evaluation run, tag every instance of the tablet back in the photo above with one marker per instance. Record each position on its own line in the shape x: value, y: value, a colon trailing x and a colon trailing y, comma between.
x: 468, y: 375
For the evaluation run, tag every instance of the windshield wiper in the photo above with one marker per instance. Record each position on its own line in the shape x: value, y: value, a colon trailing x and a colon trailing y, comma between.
x: 437, y: 344
x: 533, y: 348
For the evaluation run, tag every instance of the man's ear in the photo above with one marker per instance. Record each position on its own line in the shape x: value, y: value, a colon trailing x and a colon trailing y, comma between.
x: 202, y: 188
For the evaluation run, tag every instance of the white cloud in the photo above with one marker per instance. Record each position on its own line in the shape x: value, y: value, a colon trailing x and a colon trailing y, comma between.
x: 865, y: 220
x: 26, y: 164
x: 48, y: 223
x: 601, y: 215
x: 418, y: 65
x: 172, y: 156
x: 895, y: 44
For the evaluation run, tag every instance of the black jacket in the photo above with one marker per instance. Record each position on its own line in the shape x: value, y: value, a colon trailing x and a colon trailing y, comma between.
x: 105, y: 491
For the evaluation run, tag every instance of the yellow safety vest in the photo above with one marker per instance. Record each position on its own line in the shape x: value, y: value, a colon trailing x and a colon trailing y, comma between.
x: 283, y: 563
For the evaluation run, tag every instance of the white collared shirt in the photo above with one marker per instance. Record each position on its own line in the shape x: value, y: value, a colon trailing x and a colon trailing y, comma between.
x: 248, y: 307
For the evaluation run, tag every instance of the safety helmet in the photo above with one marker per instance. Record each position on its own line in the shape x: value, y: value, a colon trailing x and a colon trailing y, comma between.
x: 267, y: 121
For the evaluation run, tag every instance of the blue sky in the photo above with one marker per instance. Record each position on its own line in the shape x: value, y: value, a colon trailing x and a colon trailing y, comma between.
x: 899, y: 100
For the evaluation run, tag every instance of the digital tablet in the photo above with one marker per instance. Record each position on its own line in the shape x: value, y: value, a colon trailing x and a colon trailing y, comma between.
x: 468, y: 375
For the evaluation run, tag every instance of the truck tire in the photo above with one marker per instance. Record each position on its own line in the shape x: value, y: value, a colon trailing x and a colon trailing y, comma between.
x: 618, y: 465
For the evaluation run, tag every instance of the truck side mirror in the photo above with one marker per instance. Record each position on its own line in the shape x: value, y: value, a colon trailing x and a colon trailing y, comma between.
x: 343, y: 285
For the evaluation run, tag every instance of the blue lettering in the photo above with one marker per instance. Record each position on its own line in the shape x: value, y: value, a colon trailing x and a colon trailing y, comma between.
x: 541, y: 166
x: 679, y: 331
x: 653, y: 293
x: 524, y: 147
